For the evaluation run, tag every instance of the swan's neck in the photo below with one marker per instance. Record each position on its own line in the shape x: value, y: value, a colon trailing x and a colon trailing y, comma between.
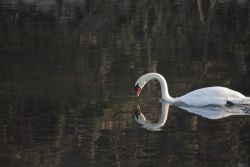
x: 164, y: 88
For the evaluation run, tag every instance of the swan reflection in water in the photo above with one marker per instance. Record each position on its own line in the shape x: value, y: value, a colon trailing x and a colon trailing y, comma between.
x: 141, y: 119
x: 209, y: 112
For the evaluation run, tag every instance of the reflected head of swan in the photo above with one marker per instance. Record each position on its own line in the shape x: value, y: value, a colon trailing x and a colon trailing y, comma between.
x: 141, y: 119
x: 139, y: 116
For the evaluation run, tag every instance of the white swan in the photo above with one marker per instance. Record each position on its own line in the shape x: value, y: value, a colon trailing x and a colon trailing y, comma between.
x: 201, y: 97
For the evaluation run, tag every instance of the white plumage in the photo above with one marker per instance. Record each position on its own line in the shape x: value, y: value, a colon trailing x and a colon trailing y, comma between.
x: 211, y: 96
x: 201, y: 97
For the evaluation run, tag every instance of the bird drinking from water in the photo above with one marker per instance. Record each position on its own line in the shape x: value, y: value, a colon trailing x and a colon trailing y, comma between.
x: 215, y: 95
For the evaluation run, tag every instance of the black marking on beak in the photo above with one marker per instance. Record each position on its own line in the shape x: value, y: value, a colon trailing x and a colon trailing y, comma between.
x: 137, y: 90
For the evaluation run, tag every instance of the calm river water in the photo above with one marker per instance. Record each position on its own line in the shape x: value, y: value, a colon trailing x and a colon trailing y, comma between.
x: 67, y: 73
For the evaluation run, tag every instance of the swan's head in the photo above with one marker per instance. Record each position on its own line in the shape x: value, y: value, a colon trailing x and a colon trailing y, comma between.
x: 141, y: 82
x: 139, y: 116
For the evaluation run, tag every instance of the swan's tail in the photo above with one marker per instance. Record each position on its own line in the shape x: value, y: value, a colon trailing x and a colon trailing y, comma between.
x: 240, y: 101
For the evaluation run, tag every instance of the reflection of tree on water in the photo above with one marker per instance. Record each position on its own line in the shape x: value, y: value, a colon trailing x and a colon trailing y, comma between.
x: 50, y: 135
x: 208, y: 143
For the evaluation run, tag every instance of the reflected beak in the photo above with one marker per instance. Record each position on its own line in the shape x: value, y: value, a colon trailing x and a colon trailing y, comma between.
x: 137, y: 90
x: 138, y: 111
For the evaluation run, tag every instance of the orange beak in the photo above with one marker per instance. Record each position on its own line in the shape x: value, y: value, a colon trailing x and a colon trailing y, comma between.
x: 137, y: 90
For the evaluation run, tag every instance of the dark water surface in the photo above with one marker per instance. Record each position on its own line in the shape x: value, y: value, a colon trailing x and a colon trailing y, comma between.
x: 67, y: 73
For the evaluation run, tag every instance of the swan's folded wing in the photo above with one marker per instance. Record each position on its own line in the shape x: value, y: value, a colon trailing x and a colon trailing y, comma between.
x: 201, y: 100
x: 240, y: 101
x: 211, y: 96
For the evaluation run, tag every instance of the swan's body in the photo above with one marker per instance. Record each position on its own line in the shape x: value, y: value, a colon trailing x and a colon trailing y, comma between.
x: 201, y: 97
x: 211, y: 96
